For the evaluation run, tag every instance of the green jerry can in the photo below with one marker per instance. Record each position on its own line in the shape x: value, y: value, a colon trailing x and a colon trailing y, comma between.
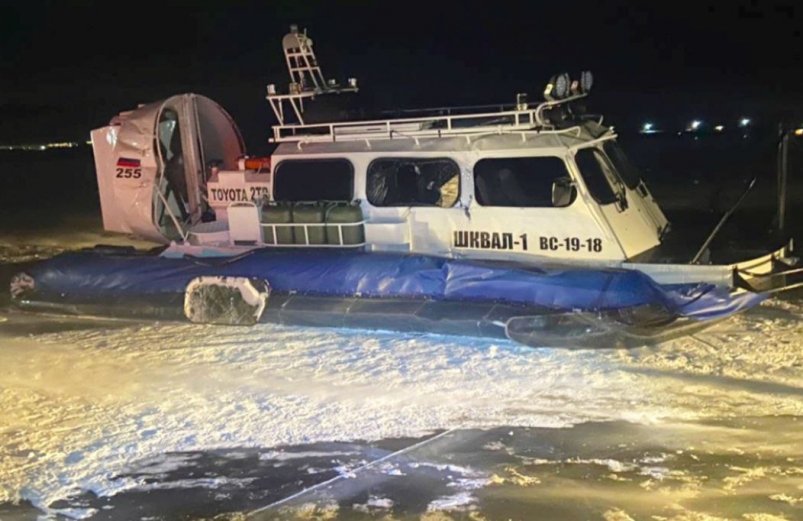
x: 309, y: 213
x: 277, y: 213
x: 344, y: 213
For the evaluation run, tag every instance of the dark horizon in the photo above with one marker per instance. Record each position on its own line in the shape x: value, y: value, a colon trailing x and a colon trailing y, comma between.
x: 68, y: 68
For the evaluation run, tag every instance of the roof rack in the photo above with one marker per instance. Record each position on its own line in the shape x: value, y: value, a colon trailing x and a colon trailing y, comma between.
x: 307, y: 81
x: 517, y: 119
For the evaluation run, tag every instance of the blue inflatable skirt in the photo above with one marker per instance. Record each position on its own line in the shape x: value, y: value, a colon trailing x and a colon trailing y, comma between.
x: 569, y: 307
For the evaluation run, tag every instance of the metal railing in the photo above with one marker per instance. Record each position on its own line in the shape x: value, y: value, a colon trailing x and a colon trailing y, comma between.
x: 324, y: 227
x: 422, y: 127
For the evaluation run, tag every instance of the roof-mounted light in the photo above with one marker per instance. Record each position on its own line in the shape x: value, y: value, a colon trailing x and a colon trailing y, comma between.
x: 586, y: 81
x: 561, y: 86
x: 562, y: 83
x: 558, y: 87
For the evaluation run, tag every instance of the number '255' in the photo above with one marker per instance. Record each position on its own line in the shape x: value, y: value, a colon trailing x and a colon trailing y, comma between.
x: 129, y: 173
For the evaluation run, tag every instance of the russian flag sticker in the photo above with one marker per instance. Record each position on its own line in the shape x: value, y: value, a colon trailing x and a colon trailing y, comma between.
x: 128, y: 162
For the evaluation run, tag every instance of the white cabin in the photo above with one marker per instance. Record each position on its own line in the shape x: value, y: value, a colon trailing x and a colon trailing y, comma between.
x: 550, y: 194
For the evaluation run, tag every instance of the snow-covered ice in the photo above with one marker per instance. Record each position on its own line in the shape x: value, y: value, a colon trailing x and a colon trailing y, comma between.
x: 82, y: 399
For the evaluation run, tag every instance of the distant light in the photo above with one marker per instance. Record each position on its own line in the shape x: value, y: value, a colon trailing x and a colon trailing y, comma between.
x: 799, y: 131
x: 719, y: 128
x: 647, y: 128
x: 744, y: 122
x: 695, y: 125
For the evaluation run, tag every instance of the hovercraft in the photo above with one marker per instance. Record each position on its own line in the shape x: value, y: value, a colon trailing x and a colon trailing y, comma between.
x: 525, y: 222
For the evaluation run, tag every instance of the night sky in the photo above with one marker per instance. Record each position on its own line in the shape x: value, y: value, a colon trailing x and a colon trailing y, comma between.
x: 67, y: 67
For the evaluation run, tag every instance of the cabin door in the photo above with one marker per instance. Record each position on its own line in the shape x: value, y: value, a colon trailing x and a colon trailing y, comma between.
x: 633, y: 228
x: 637, y: 192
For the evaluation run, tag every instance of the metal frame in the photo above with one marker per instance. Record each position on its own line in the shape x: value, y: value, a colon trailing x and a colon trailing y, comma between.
x: 307, y: 81
x: 306, y: 226
x: 413, y: 127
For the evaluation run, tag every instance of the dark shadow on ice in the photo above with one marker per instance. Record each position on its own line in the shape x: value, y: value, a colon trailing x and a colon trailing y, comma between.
x: 587, y: 471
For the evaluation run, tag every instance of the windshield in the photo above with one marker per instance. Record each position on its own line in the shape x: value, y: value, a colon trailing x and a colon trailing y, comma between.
x: 595, y: 171
x: 625, y: 168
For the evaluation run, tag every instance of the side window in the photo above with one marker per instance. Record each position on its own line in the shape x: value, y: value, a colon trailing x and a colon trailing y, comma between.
x: 313, y: 180
x: 517, y: 181
x: 413, y: 182
x: 592, y: 167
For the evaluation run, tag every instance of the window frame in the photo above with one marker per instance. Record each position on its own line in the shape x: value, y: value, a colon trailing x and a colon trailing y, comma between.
x: 411, y: 159
x: 628, y: 165
x: 562, y: 159
x: 276, y: 169
x: 605, y: 170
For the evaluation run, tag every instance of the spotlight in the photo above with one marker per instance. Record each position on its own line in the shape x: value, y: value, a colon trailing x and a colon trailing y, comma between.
x: 562, y: 83
x: 586, y: 81
x: 744, y: 122
x: 558, y: 87
x: 719, y: 128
